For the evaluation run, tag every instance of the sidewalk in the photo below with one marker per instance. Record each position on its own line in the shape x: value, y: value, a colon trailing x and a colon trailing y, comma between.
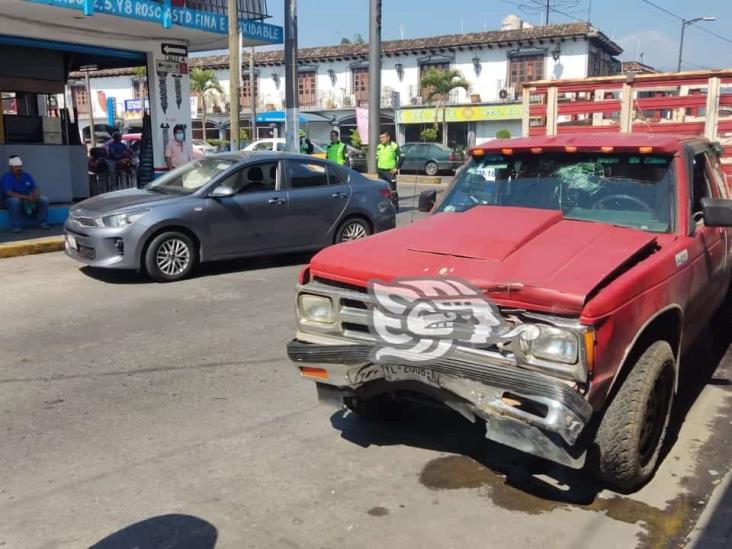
x: 31, y: 241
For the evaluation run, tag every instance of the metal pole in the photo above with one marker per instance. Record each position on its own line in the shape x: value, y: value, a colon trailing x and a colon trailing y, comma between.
x: 681, y: 44
x: 292, y: 114
x: 234, y: 72
x: 548, y: 7
x: 92, y: 133
x: 374, y: 81
x: 253, y: 95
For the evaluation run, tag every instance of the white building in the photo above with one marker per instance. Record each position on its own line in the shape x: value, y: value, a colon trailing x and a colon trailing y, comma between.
x: 333, y: 81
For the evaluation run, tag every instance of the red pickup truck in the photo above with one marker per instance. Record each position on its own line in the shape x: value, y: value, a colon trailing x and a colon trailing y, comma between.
x: 600, y: 258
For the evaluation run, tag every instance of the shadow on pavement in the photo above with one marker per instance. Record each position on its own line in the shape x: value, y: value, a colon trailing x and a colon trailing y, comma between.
x: 112, y: 276
x: 165, y: 531
x: 476, y: 462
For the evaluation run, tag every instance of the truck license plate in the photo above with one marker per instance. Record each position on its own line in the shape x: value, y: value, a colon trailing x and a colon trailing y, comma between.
x: 411, y: 372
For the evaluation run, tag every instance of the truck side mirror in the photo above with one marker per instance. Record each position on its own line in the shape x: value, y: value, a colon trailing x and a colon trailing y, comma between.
x: 427, y: 200
x: 717, y: 212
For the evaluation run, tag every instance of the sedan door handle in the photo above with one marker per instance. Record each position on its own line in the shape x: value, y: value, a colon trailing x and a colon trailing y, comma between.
x: 278, y: 201
x: 338, y: 195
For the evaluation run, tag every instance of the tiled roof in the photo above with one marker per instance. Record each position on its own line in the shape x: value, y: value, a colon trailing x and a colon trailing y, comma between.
x: 637, y: 67
x: 488, y: 39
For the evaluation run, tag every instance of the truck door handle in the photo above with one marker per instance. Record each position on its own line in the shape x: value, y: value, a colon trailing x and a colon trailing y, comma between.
x: 277, y: 201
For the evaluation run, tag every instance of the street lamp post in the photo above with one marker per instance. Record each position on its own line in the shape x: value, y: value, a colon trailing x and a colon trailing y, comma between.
x: 292, y: 114
x: 685, y: 23
x: 374, y: 81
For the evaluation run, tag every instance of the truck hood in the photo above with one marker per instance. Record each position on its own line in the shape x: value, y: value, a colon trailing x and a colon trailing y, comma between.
x: 528, y: 258
x: 120, y: 200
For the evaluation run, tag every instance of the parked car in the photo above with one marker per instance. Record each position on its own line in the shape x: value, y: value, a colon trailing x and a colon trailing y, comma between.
x: 594, y: 260
x: 278, y: 144
x: 430, y: 158
x: 224, y: 206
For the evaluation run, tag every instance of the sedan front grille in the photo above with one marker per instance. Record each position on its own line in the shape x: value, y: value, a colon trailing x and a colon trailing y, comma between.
x: 86, y: 221
x: 87, y: 252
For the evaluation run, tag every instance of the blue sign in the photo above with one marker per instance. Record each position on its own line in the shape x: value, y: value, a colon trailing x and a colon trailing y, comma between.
x: 111, y: 110
x: 164, y: 14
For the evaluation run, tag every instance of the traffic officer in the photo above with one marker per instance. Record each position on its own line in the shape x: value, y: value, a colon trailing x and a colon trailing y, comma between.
x: 336, y: 149
x: 388, y: 161
x: 306, y: 146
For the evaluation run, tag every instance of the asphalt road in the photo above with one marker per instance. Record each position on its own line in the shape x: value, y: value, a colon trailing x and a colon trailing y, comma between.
x: 134, y: 414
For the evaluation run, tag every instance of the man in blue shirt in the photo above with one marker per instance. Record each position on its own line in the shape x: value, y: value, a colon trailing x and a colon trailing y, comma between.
x: 21, y: 197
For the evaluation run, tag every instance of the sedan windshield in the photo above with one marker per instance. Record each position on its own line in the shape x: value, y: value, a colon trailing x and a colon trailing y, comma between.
x: 620, y: 189
x: 189, y: 178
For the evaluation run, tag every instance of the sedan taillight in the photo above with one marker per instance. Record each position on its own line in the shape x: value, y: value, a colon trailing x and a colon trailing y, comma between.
x: 385, y: 193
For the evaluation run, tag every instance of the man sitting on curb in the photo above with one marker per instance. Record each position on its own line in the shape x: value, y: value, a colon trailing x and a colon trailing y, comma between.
x: 24, y: 203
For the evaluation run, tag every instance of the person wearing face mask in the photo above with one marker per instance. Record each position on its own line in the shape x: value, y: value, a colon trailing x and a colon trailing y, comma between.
x: 178, y: 152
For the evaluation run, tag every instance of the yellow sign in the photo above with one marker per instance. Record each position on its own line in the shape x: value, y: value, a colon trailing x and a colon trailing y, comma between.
x: 463, y: 113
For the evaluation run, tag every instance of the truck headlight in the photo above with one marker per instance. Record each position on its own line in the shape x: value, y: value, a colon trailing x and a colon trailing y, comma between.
x: 554, y: 345
x: 316, y: 308
x: 121, y: 219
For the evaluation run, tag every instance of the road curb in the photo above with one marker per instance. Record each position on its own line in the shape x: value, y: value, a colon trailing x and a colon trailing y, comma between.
x: 30, y: 247
x: 710, y: 531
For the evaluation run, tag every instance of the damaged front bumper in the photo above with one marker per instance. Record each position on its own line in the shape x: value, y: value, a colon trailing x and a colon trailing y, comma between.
x: 523, y: 409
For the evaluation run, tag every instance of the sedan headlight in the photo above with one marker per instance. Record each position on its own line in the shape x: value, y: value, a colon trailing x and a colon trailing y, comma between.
x: 122, y: 219
x: 316, y: 308
x: 553, y: 344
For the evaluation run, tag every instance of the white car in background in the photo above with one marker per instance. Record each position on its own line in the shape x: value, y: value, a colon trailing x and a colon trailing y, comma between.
x: 202, y: 148
x: 278, y: 144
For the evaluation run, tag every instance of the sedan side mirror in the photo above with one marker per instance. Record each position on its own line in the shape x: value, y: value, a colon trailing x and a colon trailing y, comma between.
x: 717, y: 212
x: 222, y: 191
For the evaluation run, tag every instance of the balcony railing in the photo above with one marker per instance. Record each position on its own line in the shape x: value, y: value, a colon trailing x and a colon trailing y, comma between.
x: 248, y: 9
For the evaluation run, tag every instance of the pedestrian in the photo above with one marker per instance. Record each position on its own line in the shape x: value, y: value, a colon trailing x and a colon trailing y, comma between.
x: 178, y: 153
x: 389, y: 159
x: 336, y: 150
x: 26, y: 206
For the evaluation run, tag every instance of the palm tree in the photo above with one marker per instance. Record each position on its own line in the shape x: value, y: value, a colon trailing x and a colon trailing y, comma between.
x: 437, y: 85
x: 203, y: 82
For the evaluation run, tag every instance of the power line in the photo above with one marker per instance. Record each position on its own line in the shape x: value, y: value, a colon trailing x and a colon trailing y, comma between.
x: 664, y: 10
x: 680, y: 18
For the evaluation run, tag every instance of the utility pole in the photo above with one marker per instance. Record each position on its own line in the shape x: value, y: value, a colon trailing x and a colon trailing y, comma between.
x: 86, y: 69
x: 234, y: 74
x: 253, y: 95
x: 374, y: 81
x: 685, y: 23
x: 546, y: 14
x: 292, y: 114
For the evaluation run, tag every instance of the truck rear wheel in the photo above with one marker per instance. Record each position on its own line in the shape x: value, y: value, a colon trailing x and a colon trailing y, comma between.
x: 377, y: 408
x: 631, y: 433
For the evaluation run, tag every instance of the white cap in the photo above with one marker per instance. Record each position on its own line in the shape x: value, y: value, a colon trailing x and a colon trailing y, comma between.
x: 15, y: 161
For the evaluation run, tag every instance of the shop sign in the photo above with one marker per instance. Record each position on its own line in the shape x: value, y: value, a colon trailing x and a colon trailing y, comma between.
x: 155, y: 11
x: 463, y: 113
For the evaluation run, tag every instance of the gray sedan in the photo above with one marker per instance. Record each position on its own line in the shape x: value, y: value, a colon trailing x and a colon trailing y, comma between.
x: 225, y: 206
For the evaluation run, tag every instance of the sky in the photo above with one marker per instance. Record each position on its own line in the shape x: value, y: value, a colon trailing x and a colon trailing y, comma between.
x: 635, y: 25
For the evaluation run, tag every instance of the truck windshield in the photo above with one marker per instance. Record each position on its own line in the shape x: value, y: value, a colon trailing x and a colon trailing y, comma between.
x: 621, y: 189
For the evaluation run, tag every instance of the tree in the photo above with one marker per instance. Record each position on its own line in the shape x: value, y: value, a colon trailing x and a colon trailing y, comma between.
x: 428, y: 135
x: 503, y: 134
x: 357, y: 39
x: 204, y: 82
x: 437, y: 84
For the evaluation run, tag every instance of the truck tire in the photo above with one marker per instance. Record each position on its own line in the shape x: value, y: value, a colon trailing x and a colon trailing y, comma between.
x: 377, y: 408
x: 631, y: 432
x: 171, y: 256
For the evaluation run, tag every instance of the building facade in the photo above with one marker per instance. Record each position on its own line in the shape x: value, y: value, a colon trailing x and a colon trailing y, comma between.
x: 333, y: 80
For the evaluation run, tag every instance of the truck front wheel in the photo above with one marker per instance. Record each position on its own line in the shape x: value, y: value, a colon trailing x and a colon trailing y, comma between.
x: 631, y: 432
x: 382, y: 407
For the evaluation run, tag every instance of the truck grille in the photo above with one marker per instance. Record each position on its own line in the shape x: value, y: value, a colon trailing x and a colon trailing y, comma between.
x: 351, y: 305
